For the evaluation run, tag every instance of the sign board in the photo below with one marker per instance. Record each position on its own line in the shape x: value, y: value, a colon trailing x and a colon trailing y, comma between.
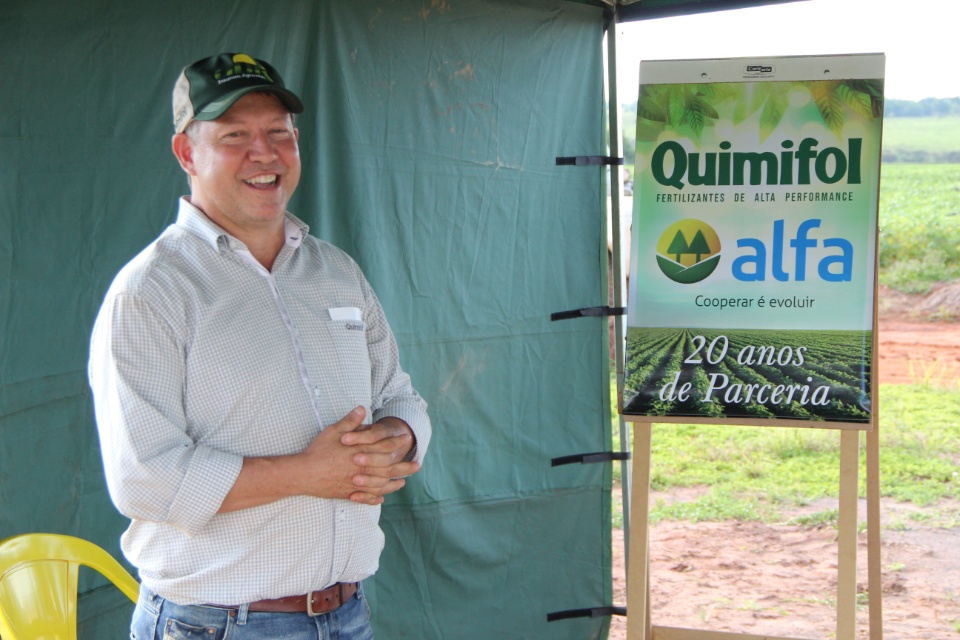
x: 753, y: 254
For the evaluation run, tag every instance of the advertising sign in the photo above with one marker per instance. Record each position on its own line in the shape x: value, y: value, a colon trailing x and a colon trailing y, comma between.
x: 753, y: 264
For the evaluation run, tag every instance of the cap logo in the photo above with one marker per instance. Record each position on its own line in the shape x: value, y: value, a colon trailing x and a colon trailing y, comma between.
x: 243, y: 67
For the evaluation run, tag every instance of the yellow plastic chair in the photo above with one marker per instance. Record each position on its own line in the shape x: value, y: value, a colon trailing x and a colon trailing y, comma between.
x: 38, y: 584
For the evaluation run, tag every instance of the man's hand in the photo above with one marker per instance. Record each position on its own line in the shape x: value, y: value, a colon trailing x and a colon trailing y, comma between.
x: 367, y: 459
x: 381, y: 450
x: 348, y: 460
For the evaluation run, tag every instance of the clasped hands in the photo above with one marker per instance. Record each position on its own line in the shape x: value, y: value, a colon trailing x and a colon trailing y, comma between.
x: 365, y: 460
x: 348, y: 460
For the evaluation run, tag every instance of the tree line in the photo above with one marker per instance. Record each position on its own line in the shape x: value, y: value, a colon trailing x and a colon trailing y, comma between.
x: 928, y: 107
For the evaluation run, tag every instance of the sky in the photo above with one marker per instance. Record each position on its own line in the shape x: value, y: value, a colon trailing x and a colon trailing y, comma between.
x: 918, y: 37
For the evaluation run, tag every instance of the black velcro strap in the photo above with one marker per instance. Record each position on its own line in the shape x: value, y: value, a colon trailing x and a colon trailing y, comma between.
x: 591, y: 458
x: 589, y: 161
x: 595, y: 312
x: 597, y: 612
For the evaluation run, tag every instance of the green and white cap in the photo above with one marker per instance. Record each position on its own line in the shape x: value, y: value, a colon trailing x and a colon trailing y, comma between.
x: 208, y: 87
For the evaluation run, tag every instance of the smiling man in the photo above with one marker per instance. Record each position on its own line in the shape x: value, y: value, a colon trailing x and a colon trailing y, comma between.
x: 250, y: 402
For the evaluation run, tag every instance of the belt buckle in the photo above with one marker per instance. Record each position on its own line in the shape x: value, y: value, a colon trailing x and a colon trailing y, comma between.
x: 310, y: 611
x: 335, y: 589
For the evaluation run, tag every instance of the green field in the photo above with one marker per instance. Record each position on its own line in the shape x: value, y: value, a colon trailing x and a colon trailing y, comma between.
x: 919, y: 225
x: 915, y: 140
x: 801, y: 375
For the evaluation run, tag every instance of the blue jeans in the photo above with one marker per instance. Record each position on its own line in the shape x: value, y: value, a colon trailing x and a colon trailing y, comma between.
x: 157, y: 619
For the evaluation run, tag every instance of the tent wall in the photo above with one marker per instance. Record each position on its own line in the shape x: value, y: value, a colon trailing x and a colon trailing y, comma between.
x: 429, y: 146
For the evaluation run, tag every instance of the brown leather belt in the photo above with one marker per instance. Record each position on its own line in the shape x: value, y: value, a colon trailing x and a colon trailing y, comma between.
x: 315, y: 603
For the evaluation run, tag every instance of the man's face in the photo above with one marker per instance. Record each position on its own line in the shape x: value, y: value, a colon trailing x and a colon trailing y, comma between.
x: 244, y: 166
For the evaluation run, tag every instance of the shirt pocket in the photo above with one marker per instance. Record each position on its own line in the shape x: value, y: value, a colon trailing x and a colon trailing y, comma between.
x: 349, y: 338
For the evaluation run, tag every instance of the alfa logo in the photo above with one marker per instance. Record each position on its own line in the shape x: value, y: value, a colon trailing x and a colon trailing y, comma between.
x: 688, y: 251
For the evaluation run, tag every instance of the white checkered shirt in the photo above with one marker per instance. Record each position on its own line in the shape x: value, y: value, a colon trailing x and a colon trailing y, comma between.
x: 200, y: 357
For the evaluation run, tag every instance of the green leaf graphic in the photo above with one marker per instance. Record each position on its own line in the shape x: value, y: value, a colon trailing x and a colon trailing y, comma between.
x: 761, y: 91
x: 649, y: 108
x: 719, y: 92
x: 697, y: 112
x: 858, y: 101
x: 873, y: 89
x: 740, y: 111
x: 704, y: 107
x: 824, y: 93
x: 774, y: 108
x: 678, y: 107
x: 695, y: 106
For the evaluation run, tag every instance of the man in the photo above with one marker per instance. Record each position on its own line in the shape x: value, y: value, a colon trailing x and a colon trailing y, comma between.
x: 234, y: 365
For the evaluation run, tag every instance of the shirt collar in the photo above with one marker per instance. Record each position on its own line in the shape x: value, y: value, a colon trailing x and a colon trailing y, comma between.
x: 196, y: 221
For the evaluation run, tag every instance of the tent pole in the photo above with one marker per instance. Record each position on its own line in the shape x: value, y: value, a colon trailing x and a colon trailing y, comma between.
x: 616, y: 192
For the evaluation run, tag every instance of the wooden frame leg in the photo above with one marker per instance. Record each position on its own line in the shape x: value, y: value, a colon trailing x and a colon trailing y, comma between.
x: 639, y: 626
x: 847, y: 536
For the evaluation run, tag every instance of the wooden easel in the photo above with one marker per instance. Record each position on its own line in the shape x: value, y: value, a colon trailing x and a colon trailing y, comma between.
x: 639, y: 623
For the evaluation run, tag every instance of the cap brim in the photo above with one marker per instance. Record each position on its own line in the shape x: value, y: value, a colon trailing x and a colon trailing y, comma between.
x: 218, y: 107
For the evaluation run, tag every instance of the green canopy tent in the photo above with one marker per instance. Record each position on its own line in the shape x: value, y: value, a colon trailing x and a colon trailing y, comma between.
x: 429, y: 147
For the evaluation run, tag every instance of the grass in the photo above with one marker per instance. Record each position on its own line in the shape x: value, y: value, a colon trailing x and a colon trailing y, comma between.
x: 826, y: 518
x: 755, y: 473
x: 933, y: 372
x: 919, y: 225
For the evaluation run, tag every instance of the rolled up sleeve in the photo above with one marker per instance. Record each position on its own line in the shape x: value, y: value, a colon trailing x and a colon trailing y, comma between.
x: 155, y: 471
x: 393, y: 392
